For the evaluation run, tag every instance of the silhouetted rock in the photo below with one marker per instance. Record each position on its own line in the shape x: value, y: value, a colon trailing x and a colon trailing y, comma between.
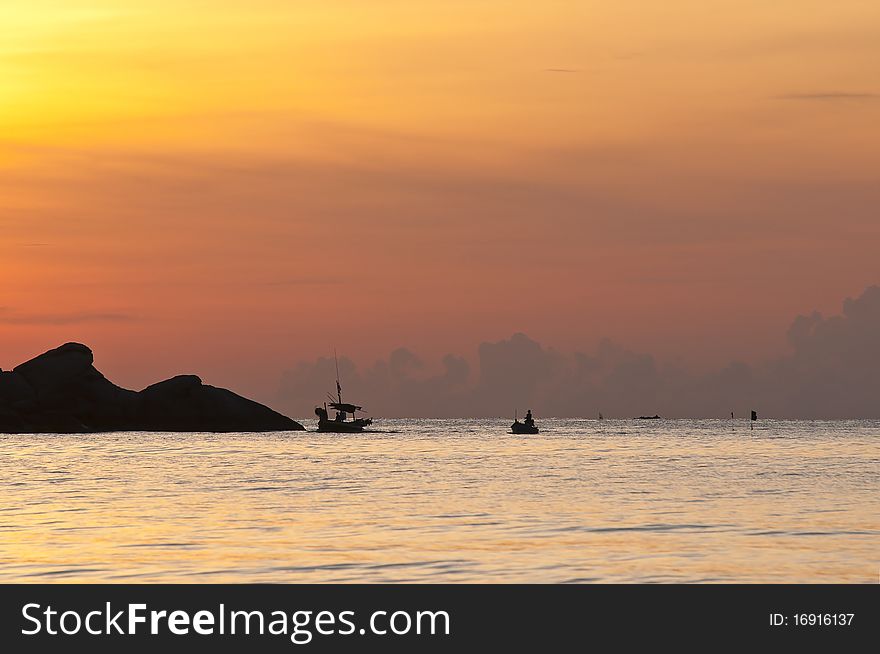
x: 62, y: 392
x: 185, y: 403
x: 67, y: 385
x: 16, y: 394
x: 56, y: 367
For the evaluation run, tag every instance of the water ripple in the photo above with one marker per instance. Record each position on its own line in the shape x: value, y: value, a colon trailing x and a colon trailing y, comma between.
x: 448, y: 500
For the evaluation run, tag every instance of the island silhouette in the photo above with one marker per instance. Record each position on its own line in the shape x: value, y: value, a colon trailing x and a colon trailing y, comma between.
x: 61, y: 391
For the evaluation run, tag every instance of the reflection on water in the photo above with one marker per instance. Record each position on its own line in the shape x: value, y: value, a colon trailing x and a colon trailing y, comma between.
x: 448, y: 501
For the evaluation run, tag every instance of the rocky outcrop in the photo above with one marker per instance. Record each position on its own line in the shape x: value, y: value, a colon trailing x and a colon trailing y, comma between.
x: 61, y: 391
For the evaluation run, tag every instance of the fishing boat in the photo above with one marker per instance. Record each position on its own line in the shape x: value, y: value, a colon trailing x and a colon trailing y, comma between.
x: 340, y: 424
x: 526, y: 427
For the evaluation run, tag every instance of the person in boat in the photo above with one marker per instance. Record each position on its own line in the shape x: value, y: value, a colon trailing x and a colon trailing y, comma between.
x: 529, y: 420
x: 321, y: 412
x: 340, y: 416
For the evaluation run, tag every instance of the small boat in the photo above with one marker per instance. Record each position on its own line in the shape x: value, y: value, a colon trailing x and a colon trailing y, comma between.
x: 521, y: 428
x: 340, y: 424
x: 654, y: 417
x: 526, y: 427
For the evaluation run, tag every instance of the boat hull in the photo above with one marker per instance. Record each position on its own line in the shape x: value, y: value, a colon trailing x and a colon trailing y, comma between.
x: 343, y: 427
x: 521, y: 428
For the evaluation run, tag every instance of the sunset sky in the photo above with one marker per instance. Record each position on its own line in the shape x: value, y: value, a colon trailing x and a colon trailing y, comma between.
x: 229, y: 187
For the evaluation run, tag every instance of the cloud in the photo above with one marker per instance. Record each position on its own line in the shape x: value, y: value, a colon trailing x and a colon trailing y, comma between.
x: 396, y: 386
x: 832, y: 371
x: 829, y: 96
x: 303, y: 281
x: 10, y: 317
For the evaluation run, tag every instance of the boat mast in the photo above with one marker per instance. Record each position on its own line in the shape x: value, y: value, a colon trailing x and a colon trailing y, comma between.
x: 338, y: 387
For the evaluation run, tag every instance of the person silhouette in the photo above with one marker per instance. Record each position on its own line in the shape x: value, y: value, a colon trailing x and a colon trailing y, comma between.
x: 529, y: 421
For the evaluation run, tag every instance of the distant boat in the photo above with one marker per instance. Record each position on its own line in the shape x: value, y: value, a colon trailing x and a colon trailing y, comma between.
x: 654, y: 417
x: 600, y: 417
x: 526, y: 427
x: 339, y: 424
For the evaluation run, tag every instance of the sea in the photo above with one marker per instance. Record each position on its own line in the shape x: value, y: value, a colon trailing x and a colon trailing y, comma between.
x: 451, y: 501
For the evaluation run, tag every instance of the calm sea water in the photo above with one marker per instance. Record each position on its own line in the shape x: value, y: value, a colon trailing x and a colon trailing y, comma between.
x: 448, y: 501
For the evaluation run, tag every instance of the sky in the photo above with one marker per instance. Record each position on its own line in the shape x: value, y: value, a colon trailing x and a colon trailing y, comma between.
x: 232, y: 188
x: 831, y: 371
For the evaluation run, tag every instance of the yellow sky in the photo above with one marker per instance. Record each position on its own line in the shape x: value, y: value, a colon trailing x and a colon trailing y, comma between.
x: 213, y: 176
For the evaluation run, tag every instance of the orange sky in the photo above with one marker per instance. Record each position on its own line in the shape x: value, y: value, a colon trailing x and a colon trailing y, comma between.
x: 226, y: 188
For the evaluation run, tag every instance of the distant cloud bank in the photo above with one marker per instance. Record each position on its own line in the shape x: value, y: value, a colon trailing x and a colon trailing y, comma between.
x: 833, y: 371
